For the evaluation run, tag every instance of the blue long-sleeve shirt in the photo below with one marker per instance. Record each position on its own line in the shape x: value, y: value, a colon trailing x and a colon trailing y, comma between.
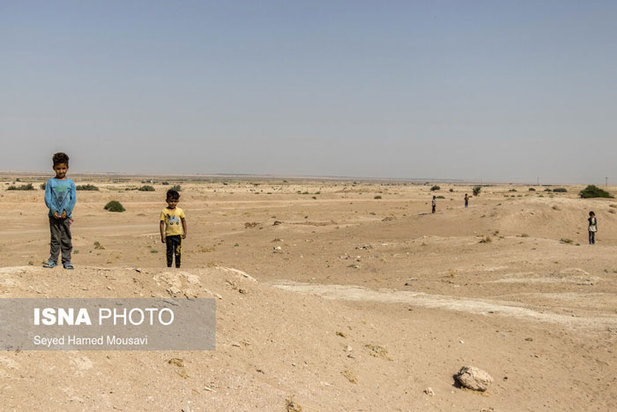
x: 60, y: 196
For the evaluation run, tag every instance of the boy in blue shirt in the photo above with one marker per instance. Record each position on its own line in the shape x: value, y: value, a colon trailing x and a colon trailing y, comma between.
x: 60, y: 199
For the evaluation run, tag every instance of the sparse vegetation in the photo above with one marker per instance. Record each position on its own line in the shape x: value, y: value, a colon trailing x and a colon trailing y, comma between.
x: 114, y: 206
x: 435, y: 188
x: 21, y: 187
x: 146, y: 188
x: 566, y: 240
x: 177, y: 188
x: 592, y: 191
x: 560, y: 190
x: 377, y: 197
x: 86, y: 187
x: 476, y: 190
x: 531, y: 189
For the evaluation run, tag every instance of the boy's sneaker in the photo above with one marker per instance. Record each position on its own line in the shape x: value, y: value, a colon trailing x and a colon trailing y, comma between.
x: 68, y: 265
x: 50, y: 264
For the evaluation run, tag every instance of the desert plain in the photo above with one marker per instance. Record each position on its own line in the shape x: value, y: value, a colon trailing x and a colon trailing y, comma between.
x: 331, y: 295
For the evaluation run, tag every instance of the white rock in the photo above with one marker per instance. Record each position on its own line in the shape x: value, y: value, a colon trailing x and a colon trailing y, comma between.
x: 473, y: 378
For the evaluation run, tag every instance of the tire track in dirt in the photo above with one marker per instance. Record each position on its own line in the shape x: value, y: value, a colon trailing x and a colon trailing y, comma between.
x: 473, y: 306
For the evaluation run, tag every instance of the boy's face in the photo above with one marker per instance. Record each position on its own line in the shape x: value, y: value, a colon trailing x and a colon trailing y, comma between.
x: 172, y: 203
x: 61, y: 169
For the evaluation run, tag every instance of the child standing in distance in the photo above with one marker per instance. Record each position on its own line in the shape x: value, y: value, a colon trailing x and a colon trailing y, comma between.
x: 173, y: 227
x: 434, y: 204
x: 593, y: 228
x: 466, y: 200
x: 60, y: 198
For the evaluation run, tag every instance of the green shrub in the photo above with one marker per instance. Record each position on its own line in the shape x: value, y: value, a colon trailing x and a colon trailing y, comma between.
x: 377, y: 197
x: 560, y: 190
x: 146, y: 188
x: 435, y: 188
x: 177, y: 188
x: 43, y: 186
x: 86, y: 187
x: 21, y: 187
x: 476, y: 190
x: 593, y: 191
x: 114, y: 206
x: 531, y: 189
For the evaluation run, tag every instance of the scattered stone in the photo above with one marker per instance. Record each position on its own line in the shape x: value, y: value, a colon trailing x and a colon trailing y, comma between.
x: 341, y: 334
x: 173, y: 291
x: 250, y: 225
x: 429, y: 392
x: 277, y: 222
x: 473, y: 378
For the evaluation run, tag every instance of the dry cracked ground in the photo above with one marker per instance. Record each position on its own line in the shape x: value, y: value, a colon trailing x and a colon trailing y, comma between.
x: 330, y: 296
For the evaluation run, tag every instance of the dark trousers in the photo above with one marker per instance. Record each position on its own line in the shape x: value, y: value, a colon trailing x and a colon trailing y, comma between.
x: 174, y: 248
x: 61, y: 239
x: 592, y: 238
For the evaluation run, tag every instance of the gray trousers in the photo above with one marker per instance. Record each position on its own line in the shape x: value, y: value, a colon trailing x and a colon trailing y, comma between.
x: 60, y: 239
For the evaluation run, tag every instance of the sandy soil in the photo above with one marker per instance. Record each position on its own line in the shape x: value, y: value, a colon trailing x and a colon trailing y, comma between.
x: 361, y: 298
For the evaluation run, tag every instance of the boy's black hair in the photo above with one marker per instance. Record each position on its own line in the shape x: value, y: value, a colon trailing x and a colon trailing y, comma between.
x: 173, y: 194
x: 60, y: 157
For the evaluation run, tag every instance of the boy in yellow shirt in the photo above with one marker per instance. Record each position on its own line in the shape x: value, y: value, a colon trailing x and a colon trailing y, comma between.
x: 173, y: 227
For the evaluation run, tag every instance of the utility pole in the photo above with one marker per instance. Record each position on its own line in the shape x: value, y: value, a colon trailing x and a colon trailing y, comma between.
x: 538, y: 181
x: 606, y: 181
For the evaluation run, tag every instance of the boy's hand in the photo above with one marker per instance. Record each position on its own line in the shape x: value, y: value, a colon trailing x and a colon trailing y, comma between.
x: 56, y: 215
x: 184, y: 236
x: 63, y: 216
x: 162, y: 239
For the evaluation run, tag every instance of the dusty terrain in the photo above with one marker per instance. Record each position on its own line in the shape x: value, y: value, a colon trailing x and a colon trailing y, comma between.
x: 361, y: 298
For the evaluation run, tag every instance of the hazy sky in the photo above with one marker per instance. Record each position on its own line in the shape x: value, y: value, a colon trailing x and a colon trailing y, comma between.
x: 498, y: 90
